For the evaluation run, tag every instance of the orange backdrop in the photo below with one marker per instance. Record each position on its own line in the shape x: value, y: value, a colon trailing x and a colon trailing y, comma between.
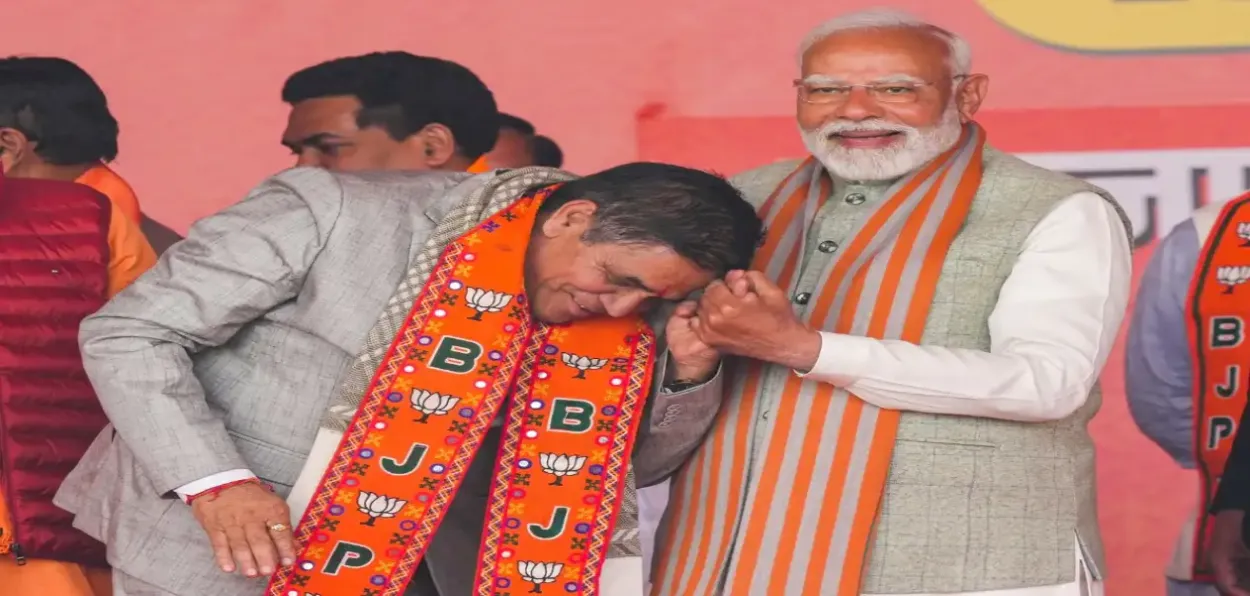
x: 1147, y: 98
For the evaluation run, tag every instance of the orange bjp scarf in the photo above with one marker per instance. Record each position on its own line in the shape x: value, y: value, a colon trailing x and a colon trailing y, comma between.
x: 468, y: 351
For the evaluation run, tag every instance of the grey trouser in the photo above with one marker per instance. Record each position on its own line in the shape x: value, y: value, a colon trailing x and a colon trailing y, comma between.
x: 125, y: 585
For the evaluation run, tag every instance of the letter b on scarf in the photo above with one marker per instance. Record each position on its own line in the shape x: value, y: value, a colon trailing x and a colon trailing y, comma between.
x: 455, y: 355
x: 571, y: 415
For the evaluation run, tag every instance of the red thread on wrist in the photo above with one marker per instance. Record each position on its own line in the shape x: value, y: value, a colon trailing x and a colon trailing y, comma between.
x: 216, y: 490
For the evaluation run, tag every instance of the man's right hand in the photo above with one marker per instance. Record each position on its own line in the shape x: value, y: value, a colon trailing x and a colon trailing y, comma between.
x: 239, y: 521
x: 1230, y: 560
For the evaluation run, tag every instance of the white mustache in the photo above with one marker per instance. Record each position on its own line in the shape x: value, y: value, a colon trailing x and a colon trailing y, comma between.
x: 843, y: 126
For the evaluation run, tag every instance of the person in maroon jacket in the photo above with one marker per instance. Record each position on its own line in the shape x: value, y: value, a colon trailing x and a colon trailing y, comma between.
x: 65, y: 249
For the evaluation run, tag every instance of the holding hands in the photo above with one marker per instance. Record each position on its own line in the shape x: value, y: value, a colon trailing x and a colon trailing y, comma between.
x: 745, y: 315
x: 748, y: 315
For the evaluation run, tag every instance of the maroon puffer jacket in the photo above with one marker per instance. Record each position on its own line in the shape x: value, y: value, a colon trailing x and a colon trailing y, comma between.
x: 53, y: 273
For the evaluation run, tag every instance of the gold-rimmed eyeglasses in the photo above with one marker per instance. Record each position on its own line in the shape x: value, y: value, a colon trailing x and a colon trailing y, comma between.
x: 896, y: 92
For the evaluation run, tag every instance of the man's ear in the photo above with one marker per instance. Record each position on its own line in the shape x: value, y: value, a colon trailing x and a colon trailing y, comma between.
x: 14, y: 146
x: 438, y: 145
x: 970, y: 95
x: 573, y: 217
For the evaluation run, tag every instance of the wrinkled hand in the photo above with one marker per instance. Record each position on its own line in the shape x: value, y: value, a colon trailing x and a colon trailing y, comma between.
x: 693, y: 360
x: 748, y: 315
x: 1230, y: 560
x: 237, y: 522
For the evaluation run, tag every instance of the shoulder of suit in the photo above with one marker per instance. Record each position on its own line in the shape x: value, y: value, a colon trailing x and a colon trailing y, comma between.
x: 759, y: 183
x: 1005, y: 166
x: 1042, y: 187
x: 316, y: 185
x: 415, y: 186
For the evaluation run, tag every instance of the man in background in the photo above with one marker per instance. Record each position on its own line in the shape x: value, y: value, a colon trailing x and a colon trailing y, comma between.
x: 519, y: 145
x: 55, y: 124
x: 64, y: 250
x: 1165, y: 343
x: 389, y: 111
x: 513, y: 145
x: 546, y: 152
x: 381, y: 111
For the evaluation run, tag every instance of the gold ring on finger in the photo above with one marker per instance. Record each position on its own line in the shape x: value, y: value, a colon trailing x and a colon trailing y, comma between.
x: 279, y: 527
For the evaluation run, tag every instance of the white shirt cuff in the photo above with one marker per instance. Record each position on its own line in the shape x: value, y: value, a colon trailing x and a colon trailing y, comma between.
x: 205, y: 484
x: 841, y: 360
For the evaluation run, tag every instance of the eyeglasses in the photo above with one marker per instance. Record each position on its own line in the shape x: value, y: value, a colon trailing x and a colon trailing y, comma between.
x: 893, y: 93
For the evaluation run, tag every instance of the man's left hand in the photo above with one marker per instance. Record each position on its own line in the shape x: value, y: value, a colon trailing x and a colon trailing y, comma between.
x: 748, y: 315
x: 693, y: 360
x: 1229, y: 558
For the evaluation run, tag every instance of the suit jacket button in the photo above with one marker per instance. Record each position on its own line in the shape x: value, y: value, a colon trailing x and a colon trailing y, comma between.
x: 802, y: 298
x: 855, y: 199
x: 828, y: 246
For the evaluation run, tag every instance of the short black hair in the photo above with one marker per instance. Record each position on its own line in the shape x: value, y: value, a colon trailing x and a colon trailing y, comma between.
x: 59, y: 107
x: 516, y: 123
x: 546, y: 152
x: 403, y: 93
x: 698, y: 214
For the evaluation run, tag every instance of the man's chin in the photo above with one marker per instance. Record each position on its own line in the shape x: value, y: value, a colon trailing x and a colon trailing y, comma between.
x: 863, y: 169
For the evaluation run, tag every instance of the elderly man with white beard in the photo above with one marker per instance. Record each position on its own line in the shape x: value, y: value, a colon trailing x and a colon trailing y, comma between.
x: 913, y: 361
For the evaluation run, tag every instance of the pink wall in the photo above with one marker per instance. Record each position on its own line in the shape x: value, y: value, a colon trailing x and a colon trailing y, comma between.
x: 196, y: 85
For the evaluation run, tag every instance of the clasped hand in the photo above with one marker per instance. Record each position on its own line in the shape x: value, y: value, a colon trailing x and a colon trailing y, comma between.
x: 747, y: 315
x: 249, y: 528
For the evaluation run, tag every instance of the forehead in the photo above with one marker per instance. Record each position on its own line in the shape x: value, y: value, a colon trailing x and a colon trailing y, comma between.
x: 335, y: 115
x: 873, y: 53
x: 659, y: 268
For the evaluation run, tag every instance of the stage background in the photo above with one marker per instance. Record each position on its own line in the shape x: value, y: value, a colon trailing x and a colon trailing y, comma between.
x: 1146, y: 98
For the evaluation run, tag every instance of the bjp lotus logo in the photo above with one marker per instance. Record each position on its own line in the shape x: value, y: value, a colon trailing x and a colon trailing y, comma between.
x: 582, y: 363
x: 484, y: 301
x: 1232, y: 276
x: 539, y: 574
x: 561, y: 465
x: 430, y: 403
x: 377, y: 505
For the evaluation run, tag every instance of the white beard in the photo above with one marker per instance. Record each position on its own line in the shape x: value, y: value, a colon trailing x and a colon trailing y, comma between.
x: 918, y: 148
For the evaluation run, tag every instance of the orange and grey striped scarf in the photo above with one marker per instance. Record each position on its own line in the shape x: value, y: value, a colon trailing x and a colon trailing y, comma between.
x: 785, y: 504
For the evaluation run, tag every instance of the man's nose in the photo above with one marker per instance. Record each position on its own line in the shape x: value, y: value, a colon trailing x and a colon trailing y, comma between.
x: 623, y: 305
x: 859, y: 105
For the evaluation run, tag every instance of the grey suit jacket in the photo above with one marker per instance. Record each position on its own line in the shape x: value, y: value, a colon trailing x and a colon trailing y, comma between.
x: 225, y: 355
